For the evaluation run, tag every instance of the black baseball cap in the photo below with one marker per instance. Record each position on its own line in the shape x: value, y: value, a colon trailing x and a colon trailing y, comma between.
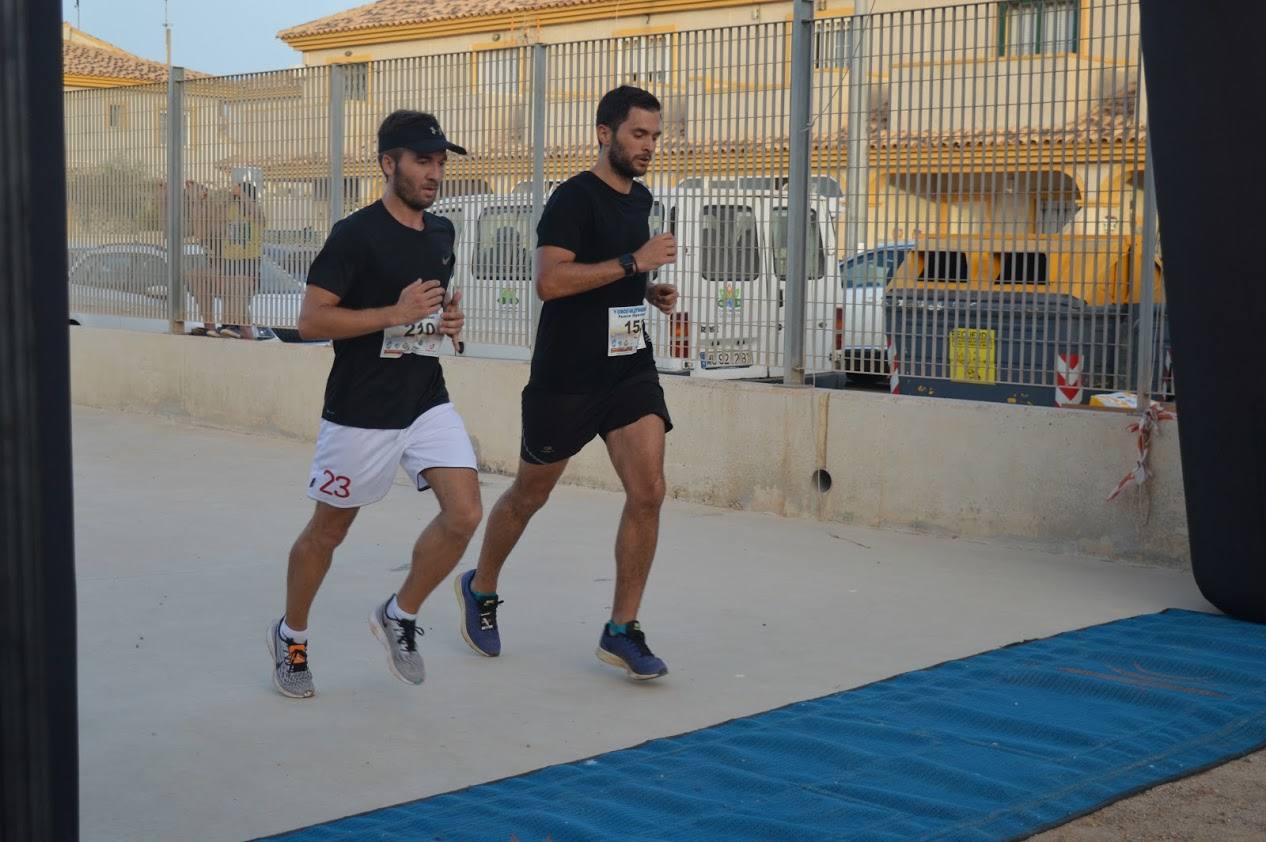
x: 423, y: 136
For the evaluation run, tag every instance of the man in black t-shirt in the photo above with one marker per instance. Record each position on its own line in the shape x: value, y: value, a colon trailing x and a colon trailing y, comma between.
x: 593, y: 374
x: 378, y: 289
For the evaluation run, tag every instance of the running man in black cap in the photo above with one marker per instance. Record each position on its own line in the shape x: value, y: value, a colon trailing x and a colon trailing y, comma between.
x: 379, y: 290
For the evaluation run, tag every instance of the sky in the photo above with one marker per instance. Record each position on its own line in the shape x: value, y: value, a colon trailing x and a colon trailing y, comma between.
x: 215, y: 36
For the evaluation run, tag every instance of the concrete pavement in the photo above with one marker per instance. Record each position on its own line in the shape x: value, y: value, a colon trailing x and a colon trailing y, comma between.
x: 182, y: 535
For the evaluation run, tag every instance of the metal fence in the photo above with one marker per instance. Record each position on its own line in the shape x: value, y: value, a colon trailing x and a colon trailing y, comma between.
x: 974, y: 217
x: 116, y: 158
x: 996, y: 242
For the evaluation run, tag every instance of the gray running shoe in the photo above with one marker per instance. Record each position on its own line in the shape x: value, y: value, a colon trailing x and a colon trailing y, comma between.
x: 291, y: 675
x: 400, y: 638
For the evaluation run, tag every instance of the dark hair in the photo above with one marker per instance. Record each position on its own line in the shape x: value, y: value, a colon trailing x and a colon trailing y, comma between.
x: 614, y: 108
x: 397, y: 120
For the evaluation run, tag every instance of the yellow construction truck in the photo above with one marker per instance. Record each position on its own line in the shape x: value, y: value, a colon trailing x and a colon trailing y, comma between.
x: 1033, y: 319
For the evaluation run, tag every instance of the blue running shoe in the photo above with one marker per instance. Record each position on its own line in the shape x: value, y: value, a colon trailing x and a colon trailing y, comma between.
x: 630, y: 653
x: 479, y: 617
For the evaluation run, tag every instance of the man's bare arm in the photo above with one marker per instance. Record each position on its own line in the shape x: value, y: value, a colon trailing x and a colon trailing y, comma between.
x: 558, y: 275
x: 322, y: 317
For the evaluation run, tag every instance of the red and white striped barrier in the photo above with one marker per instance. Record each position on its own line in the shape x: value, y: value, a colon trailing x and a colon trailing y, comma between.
x: 1068, y: 388
x: 894, y: 369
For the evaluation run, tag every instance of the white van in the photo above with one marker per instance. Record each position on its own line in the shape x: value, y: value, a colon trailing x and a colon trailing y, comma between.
x: 494, y: 251
x: 731, y: 273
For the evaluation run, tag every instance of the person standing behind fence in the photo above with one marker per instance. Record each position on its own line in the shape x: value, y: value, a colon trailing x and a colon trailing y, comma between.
x: 229, y: 225
x: 377, y: 289
x: 241, y: 248
x: 593, y: 374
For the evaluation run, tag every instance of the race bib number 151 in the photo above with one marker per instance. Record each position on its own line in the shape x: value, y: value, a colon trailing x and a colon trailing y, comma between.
x: 626, y: 330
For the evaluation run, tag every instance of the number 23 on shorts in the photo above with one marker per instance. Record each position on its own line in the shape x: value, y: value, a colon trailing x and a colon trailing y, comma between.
x: 336, y: 485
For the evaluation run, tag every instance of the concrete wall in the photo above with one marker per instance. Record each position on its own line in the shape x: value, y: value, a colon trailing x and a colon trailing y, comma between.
x: 975, y: 470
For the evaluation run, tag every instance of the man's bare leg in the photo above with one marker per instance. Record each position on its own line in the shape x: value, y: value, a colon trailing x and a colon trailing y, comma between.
x: 509, y: 518
x: 442, y: 543
x: 637, y: 453
x: 310, y: 560
x: 237, y: 297
x: 435, y: 554
x: 202, y: 286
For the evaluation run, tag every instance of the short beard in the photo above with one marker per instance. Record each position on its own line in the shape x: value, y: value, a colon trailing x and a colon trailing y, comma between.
x: 620, y: 161
x: 412, y: 202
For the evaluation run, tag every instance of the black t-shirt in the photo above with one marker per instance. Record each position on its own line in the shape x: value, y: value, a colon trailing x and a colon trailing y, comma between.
x: 367, y: 260
x: 588, y: 217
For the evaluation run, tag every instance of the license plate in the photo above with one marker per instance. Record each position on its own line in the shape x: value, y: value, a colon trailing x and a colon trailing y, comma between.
x: 973, y: 356
x: 725, y: 359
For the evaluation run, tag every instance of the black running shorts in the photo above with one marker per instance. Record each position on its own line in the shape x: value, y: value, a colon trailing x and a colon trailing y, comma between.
x: 557, y: 426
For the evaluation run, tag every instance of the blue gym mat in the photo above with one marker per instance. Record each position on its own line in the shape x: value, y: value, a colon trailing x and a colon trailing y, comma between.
x: 996, y: 746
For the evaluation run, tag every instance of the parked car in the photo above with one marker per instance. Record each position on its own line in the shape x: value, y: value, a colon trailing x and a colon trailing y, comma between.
x: 126, y: 285
x: 860, y: 338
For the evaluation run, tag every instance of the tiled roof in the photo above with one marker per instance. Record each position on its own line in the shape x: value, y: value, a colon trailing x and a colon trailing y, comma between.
x: 84, y: 55
x: 405, y: 12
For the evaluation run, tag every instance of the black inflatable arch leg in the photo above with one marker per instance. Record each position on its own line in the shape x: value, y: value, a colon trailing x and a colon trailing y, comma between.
x: 1205, y: 70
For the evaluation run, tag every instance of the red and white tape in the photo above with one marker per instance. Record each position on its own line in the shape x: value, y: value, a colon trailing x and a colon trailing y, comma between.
x: 1142, y: 430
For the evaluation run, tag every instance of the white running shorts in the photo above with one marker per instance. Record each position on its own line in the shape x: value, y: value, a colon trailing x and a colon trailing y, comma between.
x: 354, y: 466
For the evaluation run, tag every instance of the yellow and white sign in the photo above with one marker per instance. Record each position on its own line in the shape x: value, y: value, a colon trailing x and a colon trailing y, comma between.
x: 973, y: 356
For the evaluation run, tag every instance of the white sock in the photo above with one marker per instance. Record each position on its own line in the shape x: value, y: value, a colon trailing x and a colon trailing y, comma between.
x: 296, y: 636
x: 395, y: 612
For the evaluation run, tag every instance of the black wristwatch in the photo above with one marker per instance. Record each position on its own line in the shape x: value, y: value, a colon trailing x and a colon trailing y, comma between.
x: 629, y: 264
